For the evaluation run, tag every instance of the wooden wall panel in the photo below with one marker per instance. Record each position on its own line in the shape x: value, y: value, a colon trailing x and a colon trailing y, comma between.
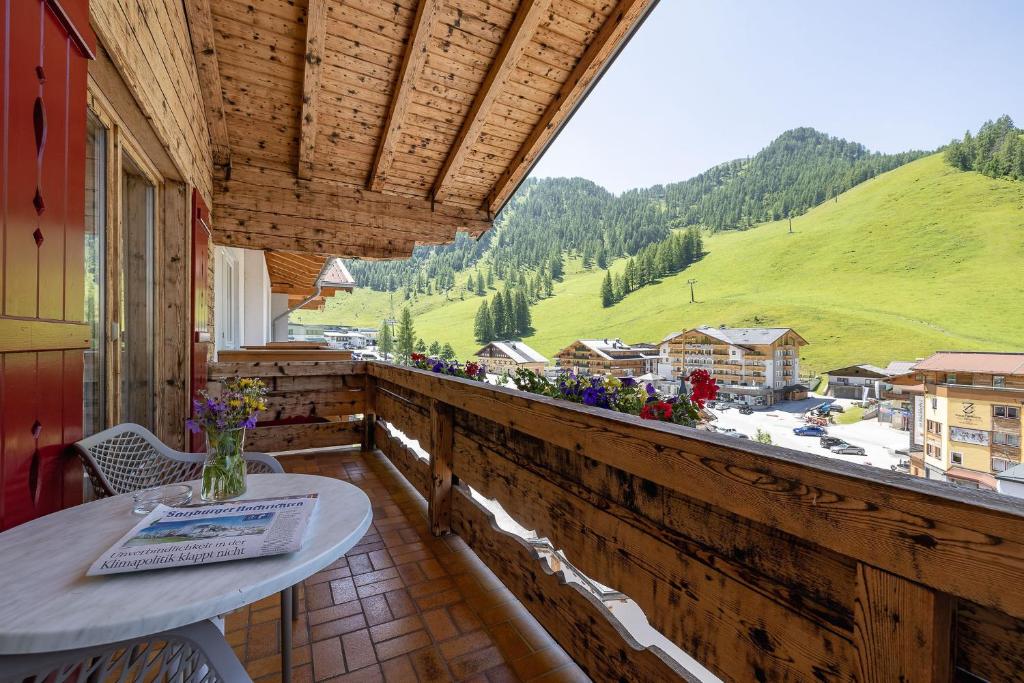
x: 150, y: 46
x: 172, y: 324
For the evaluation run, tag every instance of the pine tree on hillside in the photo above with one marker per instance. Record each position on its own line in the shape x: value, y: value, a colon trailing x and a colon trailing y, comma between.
x: 490, y: 278
x: 602, y: 258
x: 406, y: 334
x: 549, y: 286
x: 447, y: 352
x: 483, y: 326
x: 385, y: 342
x: 607, y: 295
x: 480, y: 287
x: 498, y: 330
x: 523, y: 318
x: 421, y: 345
x: 435, y: 348
x: 618, y: 287
x: 557, y: 266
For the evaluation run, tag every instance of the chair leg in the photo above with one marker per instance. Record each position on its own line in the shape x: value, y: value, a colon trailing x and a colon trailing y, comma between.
x: 295, y: 602
x: 286, y: 634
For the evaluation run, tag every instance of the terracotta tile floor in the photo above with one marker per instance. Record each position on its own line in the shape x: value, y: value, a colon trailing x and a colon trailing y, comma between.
x: 400, y: 606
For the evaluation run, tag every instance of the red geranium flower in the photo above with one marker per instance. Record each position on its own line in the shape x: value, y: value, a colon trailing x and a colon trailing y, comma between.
x: 418, y: 357
x: 703, y: 387
x: 472, y: 369
x: 657, y: 410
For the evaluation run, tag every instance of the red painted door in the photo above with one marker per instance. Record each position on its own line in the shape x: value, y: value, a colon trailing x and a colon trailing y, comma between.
x: 200, y: 302
x: 43, y: 68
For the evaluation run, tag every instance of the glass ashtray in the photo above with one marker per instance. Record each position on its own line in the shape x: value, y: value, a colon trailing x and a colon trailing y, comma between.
x: 146, y: 500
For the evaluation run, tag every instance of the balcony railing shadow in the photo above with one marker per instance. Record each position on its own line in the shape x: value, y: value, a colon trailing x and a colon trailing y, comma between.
x: 761, y: 563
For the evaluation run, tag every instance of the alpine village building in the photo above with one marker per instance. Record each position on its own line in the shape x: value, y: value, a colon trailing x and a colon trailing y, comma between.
x: 972, y: 416
x: 507, y: 356
x: 608, y: 357
x: 754, y: 365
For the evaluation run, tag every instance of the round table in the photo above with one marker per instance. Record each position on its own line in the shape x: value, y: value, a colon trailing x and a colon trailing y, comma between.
x: 49, y: 604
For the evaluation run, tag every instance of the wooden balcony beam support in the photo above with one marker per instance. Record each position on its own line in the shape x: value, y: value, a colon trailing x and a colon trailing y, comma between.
x: 316, y: 32
x: 529, y: 16
x: 442, y: 435
x: 413, y: 60
x: 200, y: 24
x: 624, y: 19
x: 902, y: 630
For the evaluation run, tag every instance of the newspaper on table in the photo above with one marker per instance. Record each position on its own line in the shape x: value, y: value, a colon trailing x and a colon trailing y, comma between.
x: 203, y: 534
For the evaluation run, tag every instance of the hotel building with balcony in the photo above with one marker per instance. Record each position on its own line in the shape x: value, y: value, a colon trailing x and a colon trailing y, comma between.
x: 972, y: 416
x: 754, y: 365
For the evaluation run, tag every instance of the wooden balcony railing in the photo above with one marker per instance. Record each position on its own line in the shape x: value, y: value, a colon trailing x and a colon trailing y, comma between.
x: 760, y: 562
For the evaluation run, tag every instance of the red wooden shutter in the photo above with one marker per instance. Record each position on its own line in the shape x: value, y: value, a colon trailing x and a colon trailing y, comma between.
x: 42, y: 225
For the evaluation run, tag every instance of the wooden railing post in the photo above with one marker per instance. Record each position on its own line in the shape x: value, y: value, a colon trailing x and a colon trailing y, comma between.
x: 903, y: 631
x: 370, y: 414
x: 439, y: 504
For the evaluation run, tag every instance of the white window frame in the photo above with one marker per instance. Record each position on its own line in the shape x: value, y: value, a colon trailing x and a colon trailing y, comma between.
x: 956, y: 457
x: 228, y: 301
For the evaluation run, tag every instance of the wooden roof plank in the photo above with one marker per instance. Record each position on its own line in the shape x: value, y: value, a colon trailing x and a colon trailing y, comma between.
x: 205, y: 51
x: 413, y: 60
x: 620, y: 23
x: 517, y: 39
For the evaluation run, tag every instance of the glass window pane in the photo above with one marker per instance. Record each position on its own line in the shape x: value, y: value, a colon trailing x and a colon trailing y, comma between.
x: 94, y: 389
x: 137, y: 213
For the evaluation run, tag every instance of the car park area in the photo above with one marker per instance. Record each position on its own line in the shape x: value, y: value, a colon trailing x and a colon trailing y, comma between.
x: 878, y: 440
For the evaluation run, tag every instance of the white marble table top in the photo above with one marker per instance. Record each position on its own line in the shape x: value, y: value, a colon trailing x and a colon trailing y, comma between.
x: 47, y: 602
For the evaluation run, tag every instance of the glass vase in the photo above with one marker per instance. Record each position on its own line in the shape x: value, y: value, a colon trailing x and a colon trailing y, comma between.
x: 224, y: 469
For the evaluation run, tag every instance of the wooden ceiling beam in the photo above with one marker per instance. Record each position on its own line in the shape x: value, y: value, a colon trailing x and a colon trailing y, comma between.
x: 623, y: 20
x: 200, y: 25
x: 316, y: 33
x: 231, y: 236
x: 413, y: 59
x: 520, y: 33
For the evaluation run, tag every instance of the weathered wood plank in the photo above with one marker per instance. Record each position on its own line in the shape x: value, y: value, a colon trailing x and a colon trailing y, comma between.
x: 264, y: 369
x: 902, y: 631
x: 300, y: 436
x: 313, y: 404
x: 416, y: 470
x: 413, y: 59
x: 204, y: 49
x: 517, y: 38
x: 989, y: 644
x: 735, y: 623
x: 575, y: 618
x: 439, y: 503
x: 935, y: 535
x: 316, y: 30
x: 625, y: 18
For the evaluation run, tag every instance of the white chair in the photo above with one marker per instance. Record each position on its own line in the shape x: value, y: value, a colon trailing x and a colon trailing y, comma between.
x: 197, y: 653
x: 129, y: 457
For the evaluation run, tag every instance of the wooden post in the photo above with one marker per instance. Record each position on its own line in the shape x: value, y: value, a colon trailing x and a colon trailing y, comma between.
x: 902, y: 631
x: 439, y: 505
x: 369, y: 414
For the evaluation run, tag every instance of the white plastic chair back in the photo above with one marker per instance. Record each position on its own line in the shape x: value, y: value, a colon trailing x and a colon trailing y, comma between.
x: 129, y: 457
x: 197, y: 653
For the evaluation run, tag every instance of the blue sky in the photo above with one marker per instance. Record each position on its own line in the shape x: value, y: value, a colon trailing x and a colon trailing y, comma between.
x: 705, y: 81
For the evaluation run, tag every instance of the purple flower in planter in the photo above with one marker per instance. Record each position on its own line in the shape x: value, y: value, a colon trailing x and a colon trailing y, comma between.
x: 438, y: 366
x: 628, y: 382
x: 650, y: 390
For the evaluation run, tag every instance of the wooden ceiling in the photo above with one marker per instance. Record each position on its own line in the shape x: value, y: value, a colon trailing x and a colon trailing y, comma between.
x: 362, y: 128
x: 296, y: 275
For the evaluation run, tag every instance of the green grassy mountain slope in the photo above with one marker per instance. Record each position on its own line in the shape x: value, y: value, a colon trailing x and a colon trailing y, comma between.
x: 921, y: 258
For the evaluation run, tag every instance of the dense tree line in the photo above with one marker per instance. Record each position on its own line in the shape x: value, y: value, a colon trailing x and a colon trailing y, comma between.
x: 551, y: 218
x: 996, y: 151
x: 506, y: 316
x: 652, y: 263
x: 797, y: 171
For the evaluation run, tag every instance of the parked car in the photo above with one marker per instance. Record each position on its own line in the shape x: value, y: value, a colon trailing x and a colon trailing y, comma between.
x: 810, y: 430
x: 902, y: 466
x: 729, y: 431
x: 746, y: 410
x: 848, y: 449
x: 711, y: 404
x: 830, y: 441
x: 835, y: 408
